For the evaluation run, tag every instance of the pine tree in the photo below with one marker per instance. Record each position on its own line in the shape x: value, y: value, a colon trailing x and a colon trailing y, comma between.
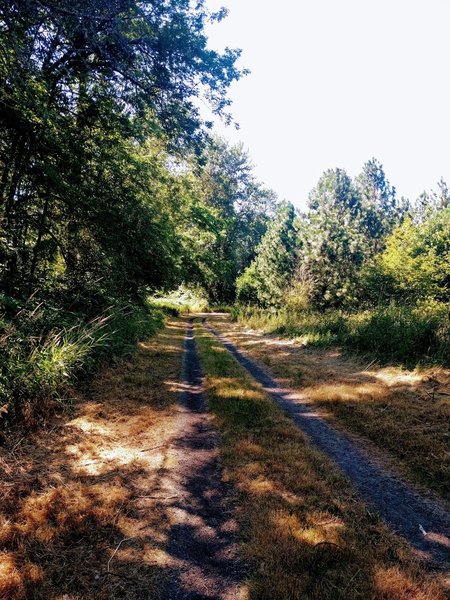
x: 267, y: 278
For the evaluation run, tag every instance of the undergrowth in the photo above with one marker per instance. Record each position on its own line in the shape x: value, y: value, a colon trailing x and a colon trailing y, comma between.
x: 403, y: 334
x: 44, y: 350
x: 185, y: 299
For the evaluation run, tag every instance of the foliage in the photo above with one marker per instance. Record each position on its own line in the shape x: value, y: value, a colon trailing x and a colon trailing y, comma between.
x: 266, y: 279
x: 184, y: 299
x: 234, y: 211
x: 404, y: 334
x: 346, y: 225
x: 95, y: 98
x: 36, y: 370
x: 416, y: 261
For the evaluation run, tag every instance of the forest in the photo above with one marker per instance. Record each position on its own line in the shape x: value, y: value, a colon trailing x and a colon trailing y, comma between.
x: 121, y: 208
x: 114, y: 189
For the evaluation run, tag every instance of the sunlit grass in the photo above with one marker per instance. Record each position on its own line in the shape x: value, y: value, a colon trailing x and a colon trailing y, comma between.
x: 306, y: 533
x: 406, y: 412
x: 71, y: 492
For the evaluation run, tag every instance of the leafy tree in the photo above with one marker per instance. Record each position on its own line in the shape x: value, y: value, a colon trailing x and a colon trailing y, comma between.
x: 84, y: 85
x: 238, y: 207
x: 265, y: 281
x: 416, y: 261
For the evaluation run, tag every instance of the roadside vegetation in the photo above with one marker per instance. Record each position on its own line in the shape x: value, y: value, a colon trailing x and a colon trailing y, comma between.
x: 44, y: 351
x: 306, y: 533
x: 365, y: 271
x: 403, y: 411
x: 404, y: 334
x: 112, y: 188
x: 73, y: 491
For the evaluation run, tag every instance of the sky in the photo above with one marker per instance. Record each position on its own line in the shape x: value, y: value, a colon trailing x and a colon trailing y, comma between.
x: 334, y: 83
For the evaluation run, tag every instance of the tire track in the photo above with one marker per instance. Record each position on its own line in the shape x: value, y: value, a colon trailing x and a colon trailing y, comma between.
x: 202, y: 541
x: 423, y: 522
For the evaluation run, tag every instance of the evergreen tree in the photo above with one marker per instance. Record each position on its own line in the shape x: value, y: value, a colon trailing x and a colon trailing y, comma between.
x: 267, y: 278
x: 380, y: 211
x: 333, y: 239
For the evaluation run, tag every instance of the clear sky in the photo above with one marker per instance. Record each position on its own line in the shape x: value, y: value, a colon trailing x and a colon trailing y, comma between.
x: 336, y: 82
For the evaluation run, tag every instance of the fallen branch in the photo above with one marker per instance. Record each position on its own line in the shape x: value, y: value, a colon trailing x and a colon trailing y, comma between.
x: 117, y: 549
x: 329, y: 544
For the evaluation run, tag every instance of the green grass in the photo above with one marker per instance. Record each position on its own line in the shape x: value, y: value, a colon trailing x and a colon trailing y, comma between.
x: 402, y: 334
x: 40, y: 360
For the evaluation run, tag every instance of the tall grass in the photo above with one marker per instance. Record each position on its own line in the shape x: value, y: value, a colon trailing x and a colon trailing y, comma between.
x: 38, y: 363
x: 402, y: 334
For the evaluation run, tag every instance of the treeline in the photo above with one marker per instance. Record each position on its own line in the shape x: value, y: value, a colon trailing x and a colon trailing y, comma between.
x: 360, y: 267
x: 111, y: 185
x: 113, y: 188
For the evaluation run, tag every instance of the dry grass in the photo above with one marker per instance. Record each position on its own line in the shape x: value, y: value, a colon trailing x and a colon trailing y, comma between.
x: 307, y: 534
x: 406, y: 412
x: 73, y: 491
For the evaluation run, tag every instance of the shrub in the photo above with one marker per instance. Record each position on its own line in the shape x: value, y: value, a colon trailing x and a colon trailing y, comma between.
x: 406, y: 334
x: 39, y: 361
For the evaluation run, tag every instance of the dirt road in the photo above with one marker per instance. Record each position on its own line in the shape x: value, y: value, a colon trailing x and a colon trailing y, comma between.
x: 424, y: 523
x: 202, y: 540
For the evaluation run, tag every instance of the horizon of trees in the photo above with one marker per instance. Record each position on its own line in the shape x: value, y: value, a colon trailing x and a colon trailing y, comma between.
x: 356, y: 245
x: 111, y: 185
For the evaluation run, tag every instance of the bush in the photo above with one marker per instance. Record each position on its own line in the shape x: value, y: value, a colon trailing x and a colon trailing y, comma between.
x: 403, y: 334
x: 39, y: 361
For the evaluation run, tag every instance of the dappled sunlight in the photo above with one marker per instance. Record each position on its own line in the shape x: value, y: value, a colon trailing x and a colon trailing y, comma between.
x: 93, y: 483
x: 393, y: 583
x: 395, y: 377
x: 16, y: 576
x: 289, y: 525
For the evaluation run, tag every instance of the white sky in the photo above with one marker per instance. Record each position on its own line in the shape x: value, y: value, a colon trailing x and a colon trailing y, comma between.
x: 336, y: 82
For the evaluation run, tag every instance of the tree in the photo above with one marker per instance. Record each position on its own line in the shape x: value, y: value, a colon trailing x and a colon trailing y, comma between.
x: 379, y: 207
x: 416, y: 261
x: 267, y: 278
x: 346, y: 226
x: 236, y: 207
x: 84, y: 85
x: 333, y: 238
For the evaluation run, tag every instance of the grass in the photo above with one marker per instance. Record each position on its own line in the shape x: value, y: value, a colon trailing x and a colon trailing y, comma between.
x: 41, y: 360
x: 81, y: 485
x: 306, y: 533
x: 185, y: 299
x: 406, y: 412
x: 402, y: 334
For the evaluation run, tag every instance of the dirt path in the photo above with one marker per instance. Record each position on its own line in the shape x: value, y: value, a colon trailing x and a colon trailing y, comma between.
x: 202, y: 538
x: 425, y: 524
x: 120, y: 496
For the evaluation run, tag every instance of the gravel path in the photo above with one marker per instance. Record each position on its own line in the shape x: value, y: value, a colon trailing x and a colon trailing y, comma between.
x: 423, y: 522
x: 202, y: 544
